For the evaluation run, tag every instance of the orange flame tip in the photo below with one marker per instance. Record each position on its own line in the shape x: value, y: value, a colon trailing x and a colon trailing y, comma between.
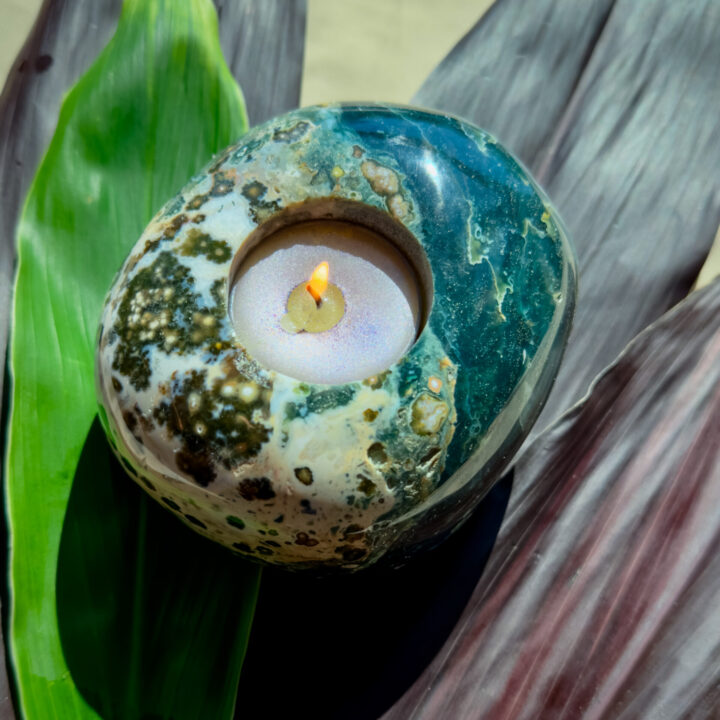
x: 319, y: 281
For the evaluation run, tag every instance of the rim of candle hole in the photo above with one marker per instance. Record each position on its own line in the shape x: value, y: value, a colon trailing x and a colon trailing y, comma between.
x: 351, y: 212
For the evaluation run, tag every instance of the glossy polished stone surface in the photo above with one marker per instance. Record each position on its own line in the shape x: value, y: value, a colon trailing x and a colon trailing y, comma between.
x: 338, y: 476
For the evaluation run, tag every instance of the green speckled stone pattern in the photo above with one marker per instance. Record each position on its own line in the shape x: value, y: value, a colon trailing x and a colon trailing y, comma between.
x: 311, y: 476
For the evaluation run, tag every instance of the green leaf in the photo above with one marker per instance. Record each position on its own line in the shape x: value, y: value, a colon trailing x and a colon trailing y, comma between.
x: 153, y: 620
x: 147, y: 620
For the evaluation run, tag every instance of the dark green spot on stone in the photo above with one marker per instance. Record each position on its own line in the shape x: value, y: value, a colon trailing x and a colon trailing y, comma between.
x: 304, y: 475
x: 256, y: 489
x: 199, y: 466
x: 243, y: 547
x: 235, y: 522
x: 130, y: 420
x: 291, y: 134
x: 223, y: 438
x: 366, y: 486
x: 200, y: 243
x: 195, y: 521
x: 172, y: 228
x: 376, y: 452
x: 307, y: 507
x: 350, y: 554
x: 303, y: 538
x: 222, y: 184
x: 260, y: 209
x: 198, y: 201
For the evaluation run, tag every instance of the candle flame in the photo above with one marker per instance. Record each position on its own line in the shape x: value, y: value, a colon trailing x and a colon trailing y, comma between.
x: 319, y: 281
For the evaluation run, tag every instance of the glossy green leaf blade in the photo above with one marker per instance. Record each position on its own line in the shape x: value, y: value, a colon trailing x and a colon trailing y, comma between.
x: 153, y: 620
x: 151, y: 110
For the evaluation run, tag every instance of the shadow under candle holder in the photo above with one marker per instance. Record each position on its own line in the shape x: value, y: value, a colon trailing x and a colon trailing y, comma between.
x: 141, y: 599
x: 346, y: 646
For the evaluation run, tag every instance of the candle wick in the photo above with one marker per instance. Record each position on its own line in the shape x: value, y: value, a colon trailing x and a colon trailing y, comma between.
x: 317, y: 298
x: 318, y: 282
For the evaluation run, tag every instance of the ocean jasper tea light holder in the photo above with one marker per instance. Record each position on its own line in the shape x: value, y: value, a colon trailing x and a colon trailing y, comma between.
x: 325, y: 349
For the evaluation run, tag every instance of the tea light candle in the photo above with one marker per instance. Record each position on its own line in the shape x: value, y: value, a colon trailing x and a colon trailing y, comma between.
x: 364, y: 320
x: 314, y: 306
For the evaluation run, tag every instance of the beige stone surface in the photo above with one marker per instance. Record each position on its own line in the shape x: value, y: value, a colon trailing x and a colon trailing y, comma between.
x: 711, y: 269
x: 16, y: 19
x: 379, y: 49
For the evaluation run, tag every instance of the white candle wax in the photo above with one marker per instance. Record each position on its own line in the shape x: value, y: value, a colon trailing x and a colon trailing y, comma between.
x: 380, y: 288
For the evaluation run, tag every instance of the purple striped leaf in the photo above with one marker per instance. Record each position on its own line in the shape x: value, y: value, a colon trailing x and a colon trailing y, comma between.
x: 601, y: 597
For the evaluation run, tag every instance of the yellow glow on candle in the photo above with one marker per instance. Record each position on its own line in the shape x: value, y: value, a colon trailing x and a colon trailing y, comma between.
x: 315, y: 306
x: 319, y: 281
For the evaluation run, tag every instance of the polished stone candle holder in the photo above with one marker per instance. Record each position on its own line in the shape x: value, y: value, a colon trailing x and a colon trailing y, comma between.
x: 338, y: 476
